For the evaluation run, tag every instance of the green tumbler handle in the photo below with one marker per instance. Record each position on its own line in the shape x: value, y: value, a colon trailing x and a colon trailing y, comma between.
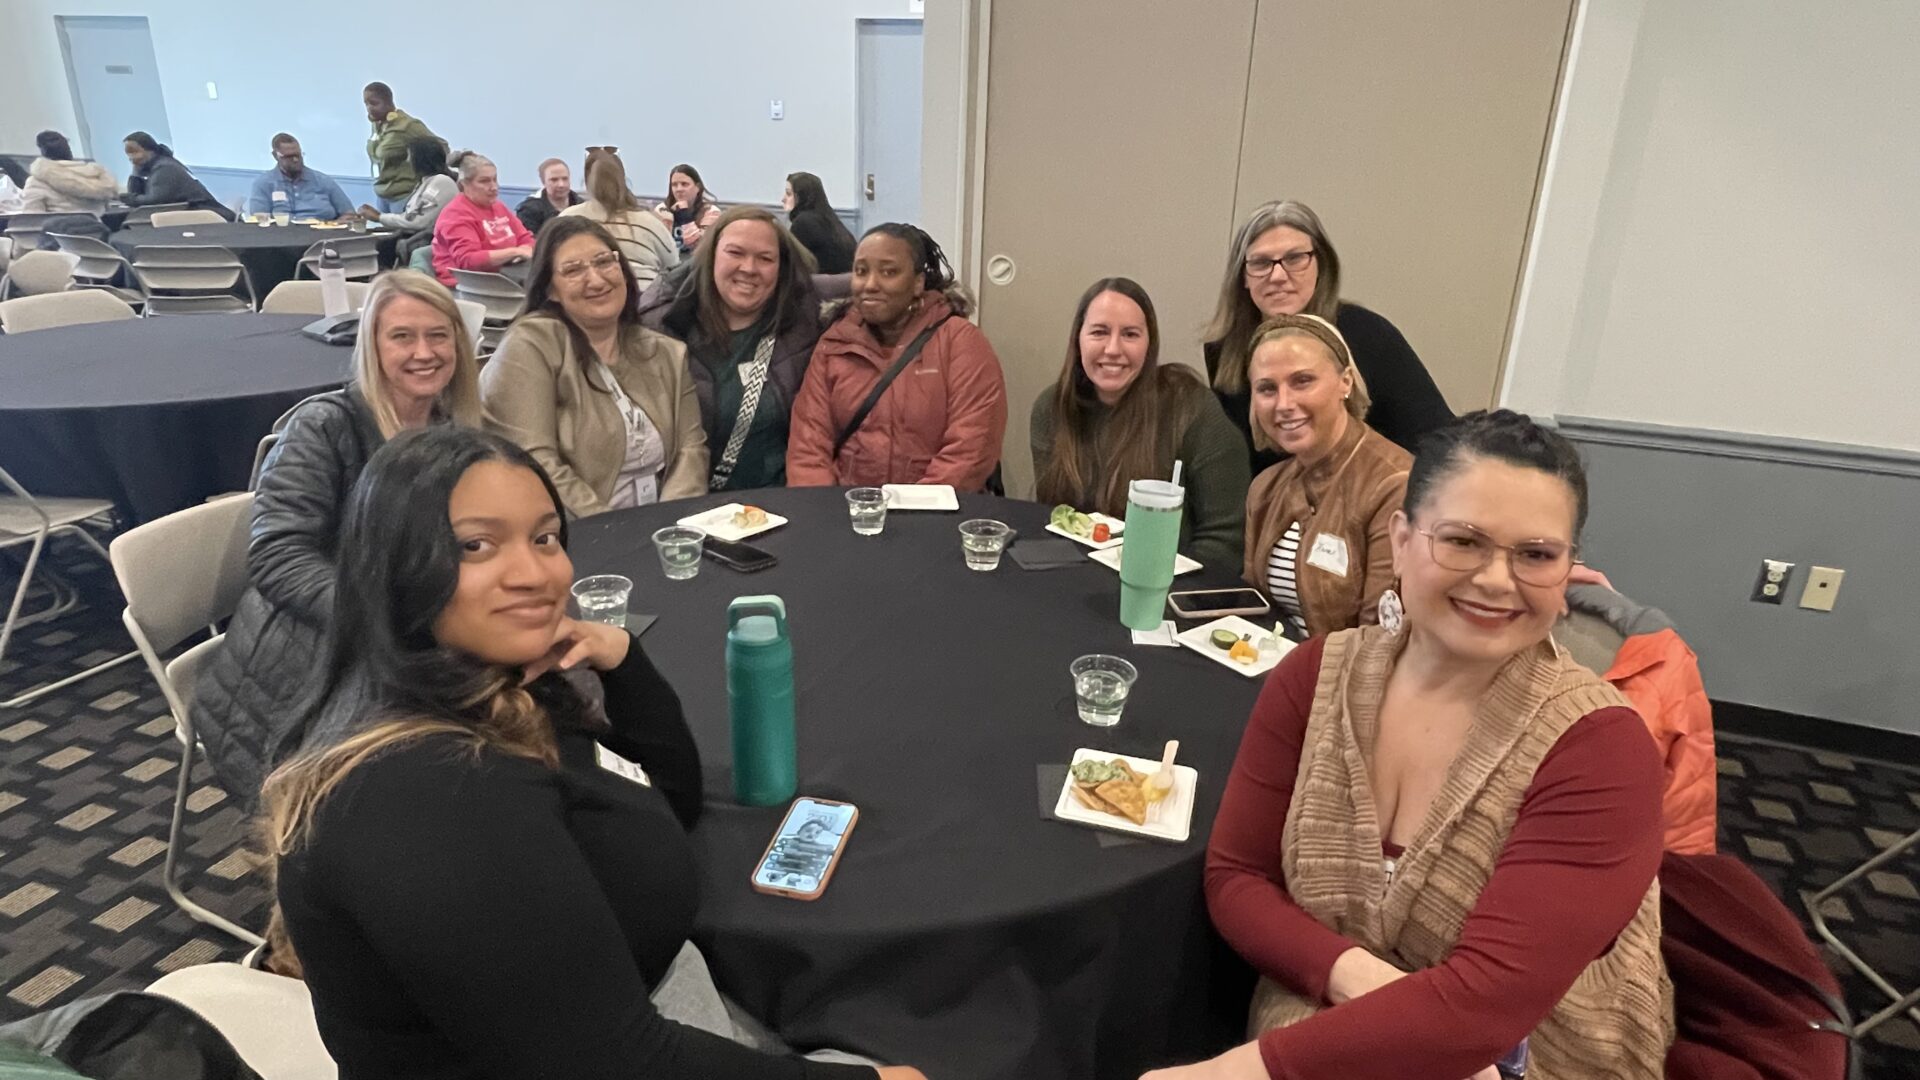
x: 758, y: 605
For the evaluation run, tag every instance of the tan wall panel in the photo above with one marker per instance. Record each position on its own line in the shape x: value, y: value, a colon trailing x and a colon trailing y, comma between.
x: 1113, y: 133
x: 1416, y: 132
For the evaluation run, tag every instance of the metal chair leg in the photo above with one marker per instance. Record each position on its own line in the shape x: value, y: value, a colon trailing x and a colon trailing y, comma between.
x: 19, y: 596
x: 170, y: 873
x: 1908, y: 1003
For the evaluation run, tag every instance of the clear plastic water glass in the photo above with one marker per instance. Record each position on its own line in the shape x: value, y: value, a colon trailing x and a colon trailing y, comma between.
x: 867, y: 507
x: 983, y: 540
x: 1101, y: 684
x: 680, y: 548
x: 282, y: 217
x: 603, y: 598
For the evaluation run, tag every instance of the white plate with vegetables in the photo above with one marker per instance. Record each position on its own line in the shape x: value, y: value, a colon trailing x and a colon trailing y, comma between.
x: 1236, y: 643
x: 1097, y: 531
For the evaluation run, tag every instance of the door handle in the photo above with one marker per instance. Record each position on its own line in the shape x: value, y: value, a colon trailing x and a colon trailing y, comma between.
x: 869, y: 187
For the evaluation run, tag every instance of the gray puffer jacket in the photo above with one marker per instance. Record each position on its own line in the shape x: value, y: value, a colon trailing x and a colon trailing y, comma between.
x: 251, y: 704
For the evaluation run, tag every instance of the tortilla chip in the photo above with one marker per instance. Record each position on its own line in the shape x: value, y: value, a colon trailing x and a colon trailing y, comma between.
x: 1127, y: 799
x: 1093, y: 802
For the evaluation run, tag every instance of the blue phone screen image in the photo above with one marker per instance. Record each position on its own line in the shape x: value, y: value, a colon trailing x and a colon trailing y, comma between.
x: 804, y: 848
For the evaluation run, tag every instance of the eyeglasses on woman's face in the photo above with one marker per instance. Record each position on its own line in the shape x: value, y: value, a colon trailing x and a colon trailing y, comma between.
x: 606, y: 265
x: 1293, y: 262
x: 1459, y: 546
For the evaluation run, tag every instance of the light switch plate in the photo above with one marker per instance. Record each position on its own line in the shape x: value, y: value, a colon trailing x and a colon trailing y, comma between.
x: 1823, y: 588
x: 777, y: 109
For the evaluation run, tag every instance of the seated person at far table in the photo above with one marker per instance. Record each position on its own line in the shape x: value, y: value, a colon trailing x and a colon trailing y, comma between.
x: 491, y: 875
x: 1438, y: 841
x: 292, y: 188
x: 1117, y: 414
x: 556, y: 194
x: 476, y: 231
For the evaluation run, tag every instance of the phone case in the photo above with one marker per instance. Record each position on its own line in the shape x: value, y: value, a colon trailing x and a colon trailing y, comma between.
x: 826, y: 878
x: 1173, y: 602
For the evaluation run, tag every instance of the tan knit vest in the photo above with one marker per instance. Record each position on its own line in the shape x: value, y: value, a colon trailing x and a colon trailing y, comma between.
x: 1616, y: 1021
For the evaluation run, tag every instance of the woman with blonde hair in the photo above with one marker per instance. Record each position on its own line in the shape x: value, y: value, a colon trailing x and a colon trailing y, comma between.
x: 1283, y: 263
x: 413, y: 366
x: 643, y: 240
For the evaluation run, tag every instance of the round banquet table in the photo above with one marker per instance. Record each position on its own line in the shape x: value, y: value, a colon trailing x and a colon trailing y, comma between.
x: 271, y: 254
x: 155, y: 414
x: 965, y: 931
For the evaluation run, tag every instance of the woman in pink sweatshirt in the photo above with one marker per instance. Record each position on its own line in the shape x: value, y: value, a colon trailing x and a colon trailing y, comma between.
x: 476, y: 231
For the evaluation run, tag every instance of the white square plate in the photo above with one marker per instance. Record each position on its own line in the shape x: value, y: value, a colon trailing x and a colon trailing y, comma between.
x: 718, y: 523
x: 1169, y: 820
x: 1110, y: 558
x: 921, y: 497
x: 1196, y: 639
x: 1113, y: 523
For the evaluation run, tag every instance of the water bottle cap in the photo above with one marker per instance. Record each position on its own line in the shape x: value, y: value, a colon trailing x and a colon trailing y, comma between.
x: 1157, y: 494
x: 756, y: 630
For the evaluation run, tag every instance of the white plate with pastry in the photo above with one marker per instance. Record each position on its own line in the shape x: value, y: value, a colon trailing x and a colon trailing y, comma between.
x: 733, y: 522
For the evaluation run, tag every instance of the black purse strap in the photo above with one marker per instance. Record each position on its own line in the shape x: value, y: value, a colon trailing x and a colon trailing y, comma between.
x: 907, y: 356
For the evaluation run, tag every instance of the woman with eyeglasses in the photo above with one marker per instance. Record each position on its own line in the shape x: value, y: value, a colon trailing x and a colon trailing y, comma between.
x: 1282, y: 263
x: 1438, y: 842
x: 605, y: 405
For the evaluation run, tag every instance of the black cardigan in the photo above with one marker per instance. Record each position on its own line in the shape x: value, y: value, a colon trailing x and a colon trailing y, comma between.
x: 823, y: 233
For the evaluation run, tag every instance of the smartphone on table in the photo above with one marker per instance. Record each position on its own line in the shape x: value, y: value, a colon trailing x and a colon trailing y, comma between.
x: 806, y: 849
x: 1213, y: 603
x: 742, y: 557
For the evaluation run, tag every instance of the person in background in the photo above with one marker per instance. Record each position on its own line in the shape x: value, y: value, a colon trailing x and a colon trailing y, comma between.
x: 643, y: 239
x: 1317, y: 539
x: 13, y: 181
x: 749, y: 313
x: 815, y: 225
x: 468, y: 891
x: 605, y: 405
x: 413, y: 365
x: 57, y: 184
x: 1438, y: 841
x: 1116, y: 414
x: 688, y: 209
x: 159, y: 179
x: 1282, y: 263
x: 555, y: 196
x: 940, y: 422
x: 475, y: 231
x: 414, y: 223
x: 306, y: 194
x: 394, y: 177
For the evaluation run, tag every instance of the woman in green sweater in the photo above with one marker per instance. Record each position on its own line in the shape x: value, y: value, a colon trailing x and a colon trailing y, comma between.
x: 1117, y: 415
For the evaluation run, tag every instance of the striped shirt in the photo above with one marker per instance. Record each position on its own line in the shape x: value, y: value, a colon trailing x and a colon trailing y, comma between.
x: 1281, y: 583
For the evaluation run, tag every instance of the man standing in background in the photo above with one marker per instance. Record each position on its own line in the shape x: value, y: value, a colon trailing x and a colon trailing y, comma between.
x: 393, y: 177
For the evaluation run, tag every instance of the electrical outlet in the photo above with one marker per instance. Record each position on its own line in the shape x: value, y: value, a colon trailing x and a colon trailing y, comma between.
x: 1771, y: 588
x: 1823, y: 588
x: 777, y: 109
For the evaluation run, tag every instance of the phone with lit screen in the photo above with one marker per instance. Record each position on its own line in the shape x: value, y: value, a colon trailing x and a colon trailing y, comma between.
x: 805, y: 850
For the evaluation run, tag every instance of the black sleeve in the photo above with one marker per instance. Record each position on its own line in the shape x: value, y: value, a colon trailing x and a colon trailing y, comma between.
x: 650, y: 729
x: 296, y: 512
x: 812, y: 234
x: 462, y: 878
x: 171, y: 183
x: 1406, y: 403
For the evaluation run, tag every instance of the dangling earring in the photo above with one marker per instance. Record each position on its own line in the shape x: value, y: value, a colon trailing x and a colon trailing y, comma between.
x: 1393, y: 614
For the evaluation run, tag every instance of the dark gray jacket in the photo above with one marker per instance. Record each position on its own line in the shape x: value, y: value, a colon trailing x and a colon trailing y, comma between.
x: 250, y: 705
x: 163, y: 180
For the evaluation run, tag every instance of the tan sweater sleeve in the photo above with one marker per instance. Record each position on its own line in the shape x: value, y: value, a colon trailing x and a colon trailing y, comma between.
x: 517, y: 386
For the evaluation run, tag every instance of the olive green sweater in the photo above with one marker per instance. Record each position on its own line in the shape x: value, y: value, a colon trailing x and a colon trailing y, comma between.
x: 1215, y: 475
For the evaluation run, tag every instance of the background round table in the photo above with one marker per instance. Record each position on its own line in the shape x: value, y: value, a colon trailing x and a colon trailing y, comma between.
x: 113, y: 217
x: 155, y: 414
x: 271, y: 253
x: 965, y: 932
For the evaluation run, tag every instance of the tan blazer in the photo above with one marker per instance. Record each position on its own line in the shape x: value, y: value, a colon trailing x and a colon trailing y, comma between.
x: 539, y: 394
x: 1350, y: 496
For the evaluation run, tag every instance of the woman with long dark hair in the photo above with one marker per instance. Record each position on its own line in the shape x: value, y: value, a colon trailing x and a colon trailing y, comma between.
x: 689, y: 210
x: 816, y: 226
x: 605, y: 405
x: 1117, y: 414
x: 159, y: 179
x: 489, y: 874
x: 903, y: 345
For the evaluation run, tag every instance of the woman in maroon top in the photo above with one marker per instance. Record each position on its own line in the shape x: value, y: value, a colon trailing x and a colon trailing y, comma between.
x: 1482, y: 551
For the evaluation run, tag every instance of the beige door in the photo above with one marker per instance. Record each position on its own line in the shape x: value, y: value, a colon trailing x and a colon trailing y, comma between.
x: 1416, y: 131
x: 1113, y: 136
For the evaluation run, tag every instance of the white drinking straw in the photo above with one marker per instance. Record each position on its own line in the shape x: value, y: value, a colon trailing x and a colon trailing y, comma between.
x: 1177, y: 465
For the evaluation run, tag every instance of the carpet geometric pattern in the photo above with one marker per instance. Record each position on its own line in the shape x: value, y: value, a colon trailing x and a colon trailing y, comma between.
x: 87, y: 778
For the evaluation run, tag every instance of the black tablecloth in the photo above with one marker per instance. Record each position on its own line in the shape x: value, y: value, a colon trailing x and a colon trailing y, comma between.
x: 155, y: 414
x: 271, y: 254
x: 963, y: 932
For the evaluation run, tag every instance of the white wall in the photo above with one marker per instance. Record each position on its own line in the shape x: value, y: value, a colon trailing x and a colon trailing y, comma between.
x: 1728, y: 229
x: 518, y: 81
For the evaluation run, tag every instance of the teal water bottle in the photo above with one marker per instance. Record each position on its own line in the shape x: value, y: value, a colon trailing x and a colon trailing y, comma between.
x: 760, y: 700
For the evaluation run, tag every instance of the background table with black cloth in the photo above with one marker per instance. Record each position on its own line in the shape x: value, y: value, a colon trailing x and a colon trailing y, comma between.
x: 155, y: 414
x: 113, y: 218
x: 963, y: 932
x: 271, y: 253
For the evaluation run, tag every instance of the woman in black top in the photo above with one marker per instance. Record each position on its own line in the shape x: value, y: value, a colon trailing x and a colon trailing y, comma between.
x: 490, y: 873
x: 688, y: 209
x: 1283, y: 264
x: 816, y: 226
x: 158, y: 178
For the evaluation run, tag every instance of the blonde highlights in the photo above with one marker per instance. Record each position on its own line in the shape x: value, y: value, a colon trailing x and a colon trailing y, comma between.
x: 460, y: 401
x: 1281, y: 327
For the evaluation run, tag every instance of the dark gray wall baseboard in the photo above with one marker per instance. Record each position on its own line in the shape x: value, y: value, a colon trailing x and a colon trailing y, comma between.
x: 1681, y: 519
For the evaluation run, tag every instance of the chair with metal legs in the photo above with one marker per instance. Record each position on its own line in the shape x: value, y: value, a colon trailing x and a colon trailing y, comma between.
x: 27, y: 520
x: 1908, y: 1002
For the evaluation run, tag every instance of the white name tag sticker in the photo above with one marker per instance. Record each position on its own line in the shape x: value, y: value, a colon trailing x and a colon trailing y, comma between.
x: 620, y: 766
x: 279, y: 196
x: 1329, y: 553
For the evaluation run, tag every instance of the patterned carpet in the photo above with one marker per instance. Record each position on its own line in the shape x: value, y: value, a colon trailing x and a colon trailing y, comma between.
x: 87, y: 778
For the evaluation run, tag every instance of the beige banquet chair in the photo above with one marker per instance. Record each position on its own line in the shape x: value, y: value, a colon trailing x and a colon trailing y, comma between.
x: 360, y: 254
x: 25, y: 229
x: 143, y: 215
x: 165, y: 218
x: 303, y: 298
x: 33, y: 273
x: 268, y: 1018
x: 99, y: 265
x: 27, y: 313
x: 192, y: 279
x: 27, y: 520
x: 181, y: 574
x: 500, y: 297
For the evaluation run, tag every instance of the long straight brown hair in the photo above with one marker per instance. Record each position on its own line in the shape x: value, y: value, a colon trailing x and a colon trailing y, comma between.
x: 1139, y: 438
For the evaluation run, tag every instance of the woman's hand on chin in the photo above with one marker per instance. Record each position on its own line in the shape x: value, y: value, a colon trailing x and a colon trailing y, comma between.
x: 1240, y: 1063
x: 598, y: 645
